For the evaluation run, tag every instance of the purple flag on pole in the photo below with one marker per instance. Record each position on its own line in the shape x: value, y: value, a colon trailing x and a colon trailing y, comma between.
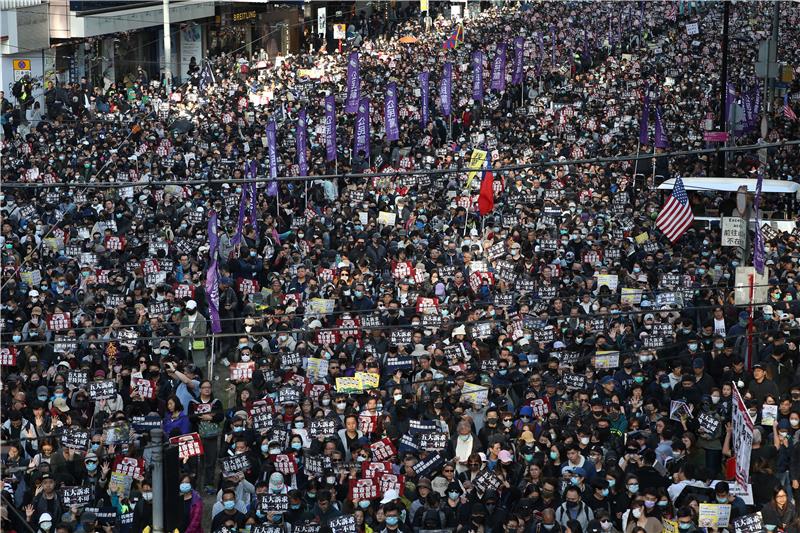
x: 390, y: 118
x: 353, y: 84
x: 272, y: 132
x: 330, y: 127
x: 446, y: 89
x: 758, y: 244
x: 499, y: 69
x: 519, y: 60
x: 362, y: 128
x: 425, y: 94
x: 644, y: 137
x: 237, y: 236
x: 540, y: 56
x: 254, y: 204
x: 477, y: 76
x: 212, y: 274
x: 660, y: 137
x: 301, y: 140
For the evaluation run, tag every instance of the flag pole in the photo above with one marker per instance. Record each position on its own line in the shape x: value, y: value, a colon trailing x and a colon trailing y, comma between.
x: 636, y: 163
x: 211, y: 361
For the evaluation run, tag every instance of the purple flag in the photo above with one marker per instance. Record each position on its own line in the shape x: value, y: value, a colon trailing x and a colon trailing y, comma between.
x: 660, y: 136
x: 254, y: 204
x: 730, y: 98
x: 499, y: 69
x: 362, y: 128
x: 353, y: 84
x: 212, y: 274
x: 758, y: 244
x: 644, y: 137
x: 272, y: 132
x: 477, y: 76
x: 425, y: 94
x: 301, y: 139
x: 446, y: 89
x: 540, y: 56
x: 237, y: 236
x: 519, y: 60
x: 330, y: 127
x: 391, y: 122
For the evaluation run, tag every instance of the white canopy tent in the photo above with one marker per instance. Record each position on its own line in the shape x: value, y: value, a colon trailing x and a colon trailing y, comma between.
x: 732, y: 185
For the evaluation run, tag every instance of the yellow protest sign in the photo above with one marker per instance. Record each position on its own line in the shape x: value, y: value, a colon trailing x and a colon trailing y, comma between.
x: 349, y: 384
x: 641, y: 238
x: 369, y: 381
x: 475, y: 163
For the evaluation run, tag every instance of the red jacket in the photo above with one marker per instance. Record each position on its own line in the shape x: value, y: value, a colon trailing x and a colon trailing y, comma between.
x: 195, y: 514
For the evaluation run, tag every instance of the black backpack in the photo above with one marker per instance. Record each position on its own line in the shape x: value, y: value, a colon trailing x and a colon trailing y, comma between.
x: 16, y: 90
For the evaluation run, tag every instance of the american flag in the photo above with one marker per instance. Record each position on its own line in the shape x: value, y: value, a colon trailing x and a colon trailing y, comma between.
x: 676, y: 216
x: 788, y: 112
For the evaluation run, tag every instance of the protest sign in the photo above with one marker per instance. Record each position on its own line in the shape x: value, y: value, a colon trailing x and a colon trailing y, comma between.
x: 714, y: 515
x: 749, y: 523
x: 742, y: 438
x: 75, y: 438
x: 679, y: 410
x: 77, y: 496
x: 189, y: 445
x: 103, y: 390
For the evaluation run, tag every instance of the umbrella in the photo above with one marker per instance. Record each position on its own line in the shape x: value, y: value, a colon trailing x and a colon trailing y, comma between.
x: 408, y: 39
x: 182, y: 126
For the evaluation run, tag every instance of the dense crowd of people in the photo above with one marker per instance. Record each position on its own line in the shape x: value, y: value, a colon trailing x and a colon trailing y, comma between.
x: 389, y: 360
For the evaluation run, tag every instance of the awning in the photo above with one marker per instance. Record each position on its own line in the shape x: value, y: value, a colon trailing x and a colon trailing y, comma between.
x: 732, y: 185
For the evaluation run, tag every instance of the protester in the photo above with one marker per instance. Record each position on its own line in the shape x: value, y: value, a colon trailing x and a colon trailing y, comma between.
x: 523, y: 349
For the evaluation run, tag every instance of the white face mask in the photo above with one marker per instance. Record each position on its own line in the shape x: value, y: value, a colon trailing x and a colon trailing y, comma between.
x: 715, y: 400
x: 637, y: 513
x: 147, y: 496
x: 341, y: 405
x: 245, y: 358
x: 584, y: 440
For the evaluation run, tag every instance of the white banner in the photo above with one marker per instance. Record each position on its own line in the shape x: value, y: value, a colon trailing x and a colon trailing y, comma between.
x: 742, y: 439
x: 321, y: 21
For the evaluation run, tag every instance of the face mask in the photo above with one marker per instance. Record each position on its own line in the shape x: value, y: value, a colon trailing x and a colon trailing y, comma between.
x: 529, y: 457
x: 229, y: 505
x: 91, y: 467
x: 297, y: 445
x: 42, y: 398
x: 649, y: 504
x: 392, y: 520
x: 605, y: 524
x: 575, y: 481
x: 553, y: 455
x: 299, y: 425
x: 45, y: 526
x: 326, y: 401
x: 692, y: 346
x: 715, y: 400
x: 794, y: 422
x: 665, y: 385
x: 364, y: 504
x: 397, y: 397
x: 95, y: 446
x: 276, y: 518
x: 275, y: 451
x: 245, y: 358
x: 238, y: 429
x: 548, y: 527
x: 584, y: 440
x: 637, y: 513
x: 508, y: 423
x: 453, y: 495
x: 663, y: 503
x: 185, y: 488
x: 688, y: 525
x: 604, y: 492
x: 264, y: 448
x: 464, y: 438
x: 17, y: 338
x: 341, y: 405
x: 633, y: 488
x: 611, y: 483
x: 331, y: 480
x: 503, y: 371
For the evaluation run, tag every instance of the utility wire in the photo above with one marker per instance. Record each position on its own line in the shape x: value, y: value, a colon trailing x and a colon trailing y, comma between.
x: 395, y: 174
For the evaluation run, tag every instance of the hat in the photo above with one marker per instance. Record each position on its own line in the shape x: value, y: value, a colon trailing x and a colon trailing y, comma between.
x: 86, y: 517
x: 191, y: 304
x: 390, y: 496
x: 240, y: 414
x: 649, y: 316
x: 759, y: 366
x: 41, y: 390
x: 505, y: 456
x: 424, y: 482
x: 744, y: 315
x: 527, y: 437
x: 91, y: 456
x: 100, y: 374
x: 606, y: 380
x: 698, y: 363
x: 460, y: 330
x: 579, y: 471
x: 33, y: 293
x: 45, y: 517
x: 61, y: 405
x: 526, y: 411
x: 164, y: 344
x: 767, y: 309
